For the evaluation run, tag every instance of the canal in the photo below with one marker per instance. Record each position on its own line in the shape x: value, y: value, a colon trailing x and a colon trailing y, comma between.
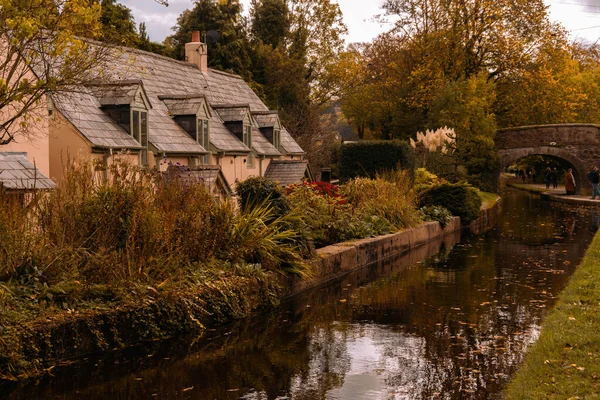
x: 450, y: 320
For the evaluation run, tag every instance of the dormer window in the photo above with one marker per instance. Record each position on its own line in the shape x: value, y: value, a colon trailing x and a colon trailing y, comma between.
x: 192, y: 114
x: 126, y: 103
x: 269, y: 125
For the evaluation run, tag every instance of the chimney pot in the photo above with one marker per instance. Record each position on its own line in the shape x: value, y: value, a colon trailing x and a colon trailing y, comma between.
x: 195, y: 36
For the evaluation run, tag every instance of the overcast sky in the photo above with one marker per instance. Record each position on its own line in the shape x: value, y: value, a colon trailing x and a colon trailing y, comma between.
x: 579, y: 16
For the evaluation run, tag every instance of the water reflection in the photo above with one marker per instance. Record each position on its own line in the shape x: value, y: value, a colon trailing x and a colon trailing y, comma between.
x: 452, y: 325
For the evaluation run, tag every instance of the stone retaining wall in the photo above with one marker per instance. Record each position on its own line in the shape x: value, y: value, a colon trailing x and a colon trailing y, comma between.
x: 337, y: 260
x: 487, y: 220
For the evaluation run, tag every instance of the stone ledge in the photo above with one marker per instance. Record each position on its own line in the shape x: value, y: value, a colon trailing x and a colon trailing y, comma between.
x: 337, y: 260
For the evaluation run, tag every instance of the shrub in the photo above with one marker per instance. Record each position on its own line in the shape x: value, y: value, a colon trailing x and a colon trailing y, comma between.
x: 460, y: 199
x: 367, y: 158
x: 327, y: 219
x: 258, y: 190
x: 424, y: 177
x: 436, y: 213
x: 388, y: 196
x: 138, y: 227
x: 18, y: 237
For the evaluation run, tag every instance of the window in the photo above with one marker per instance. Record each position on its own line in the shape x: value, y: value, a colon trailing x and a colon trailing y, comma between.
x: 135, y: 126
x: 276, y: 138
x: 203, y: 136
x: 204, y: 139
x: 139, y: 131
x: 144, y: 136
x: 248, y: 142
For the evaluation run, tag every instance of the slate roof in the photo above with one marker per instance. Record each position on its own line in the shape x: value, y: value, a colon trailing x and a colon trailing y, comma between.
x: 267, y: 119
x: 224, y: 88
x: 82, y: 109
x: 289, y: 144
x: 261, y: 144
x: 223, y: 139
x: 185, y: 106
x: 18, y: 173
x: 163, y: 77
x: 231, y: 113
x: 117, y: 94
x: 287, y: 172
x: 208, y: 175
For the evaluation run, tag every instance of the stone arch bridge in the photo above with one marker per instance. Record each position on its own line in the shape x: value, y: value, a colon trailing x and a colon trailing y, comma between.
x: 578, y: 144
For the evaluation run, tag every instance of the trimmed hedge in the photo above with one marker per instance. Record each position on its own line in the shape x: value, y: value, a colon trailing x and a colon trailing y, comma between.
x: 460, y: 199
x: 367, y: 158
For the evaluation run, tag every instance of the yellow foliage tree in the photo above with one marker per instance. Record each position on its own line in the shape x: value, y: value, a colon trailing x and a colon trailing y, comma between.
x: 42, y: 52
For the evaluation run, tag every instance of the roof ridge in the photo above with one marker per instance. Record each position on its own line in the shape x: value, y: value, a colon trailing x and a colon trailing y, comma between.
x: 218, y: 71
x: 227, y: 105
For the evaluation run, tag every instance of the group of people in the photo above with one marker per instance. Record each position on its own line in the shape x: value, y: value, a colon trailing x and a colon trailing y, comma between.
x: 551, y: 177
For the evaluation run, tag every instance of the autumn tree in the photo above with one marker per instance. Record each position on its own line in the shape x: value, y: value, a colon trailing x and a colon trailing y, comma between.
x: 41, y: 52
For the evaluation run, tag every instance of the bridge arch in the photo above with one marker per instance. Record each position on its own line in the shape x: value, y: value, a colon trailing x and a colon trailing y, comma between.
x: 577, y: 144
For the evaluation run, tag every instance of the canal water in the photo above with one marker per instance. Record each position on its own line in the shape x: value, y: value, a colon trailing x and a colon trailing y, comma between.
x: 451, y: 320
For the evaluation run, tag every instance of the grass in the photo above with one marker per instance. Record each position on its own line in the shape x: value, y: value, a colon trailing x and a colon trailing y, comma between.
x: 528, y: 188
x: 565, y: 362
x: 487, y: 199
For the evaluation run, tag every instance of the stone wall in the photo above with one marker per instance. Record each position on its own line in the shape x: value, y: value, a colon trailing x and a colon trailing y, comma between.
x: 334, y: 261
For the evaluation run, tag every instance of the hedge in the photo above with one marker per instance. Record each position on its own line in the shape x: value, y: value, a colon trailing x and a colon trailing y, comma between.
x: 367, y: 158
x: 461, y: 199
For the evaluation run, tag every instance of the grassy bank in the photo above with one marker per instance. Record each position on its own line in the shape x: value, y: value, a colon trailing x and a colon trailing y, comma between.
x: 565, y: 362
x: 526, y: 187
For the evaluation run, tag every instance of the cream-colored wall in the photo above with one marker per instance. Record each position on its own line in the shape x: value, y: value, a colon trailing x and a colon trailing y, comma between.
x: 264, y: 165
x: 235, y: 169
x: 65, y: 143
x: 161, y: 163
x: 33, y: 137
x: 34, y: 140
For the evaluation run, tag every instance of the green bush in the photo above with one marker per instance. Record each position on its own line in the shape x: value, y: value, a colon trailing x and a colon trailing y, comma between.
x: 388, y: 196
x: 367, y: 158
x: 436, y: 213
x: 258, y: 190
x: 460, y: 199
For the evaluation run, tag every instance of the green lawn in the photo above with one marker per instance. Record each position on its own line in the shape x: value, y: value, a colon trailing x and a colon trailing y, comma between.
x: 487, y: 199
x: 565, y: 361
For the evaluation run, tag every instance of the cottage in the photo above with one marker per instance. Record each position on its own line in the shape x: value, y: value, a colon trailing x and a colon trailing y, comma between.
x: 156, y: 111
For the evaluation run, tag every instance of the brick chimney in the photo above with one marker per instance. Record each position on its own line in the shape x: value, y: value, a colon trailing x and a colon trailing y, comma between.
x: 196, y: 52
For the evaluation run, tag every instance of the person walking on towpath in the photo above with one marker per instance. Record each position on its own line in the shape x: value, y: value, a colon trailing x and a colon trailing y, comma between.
x: 548, y: 177
x: 570, y: 182
x: 594, y: 177
x: 554, y: 178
